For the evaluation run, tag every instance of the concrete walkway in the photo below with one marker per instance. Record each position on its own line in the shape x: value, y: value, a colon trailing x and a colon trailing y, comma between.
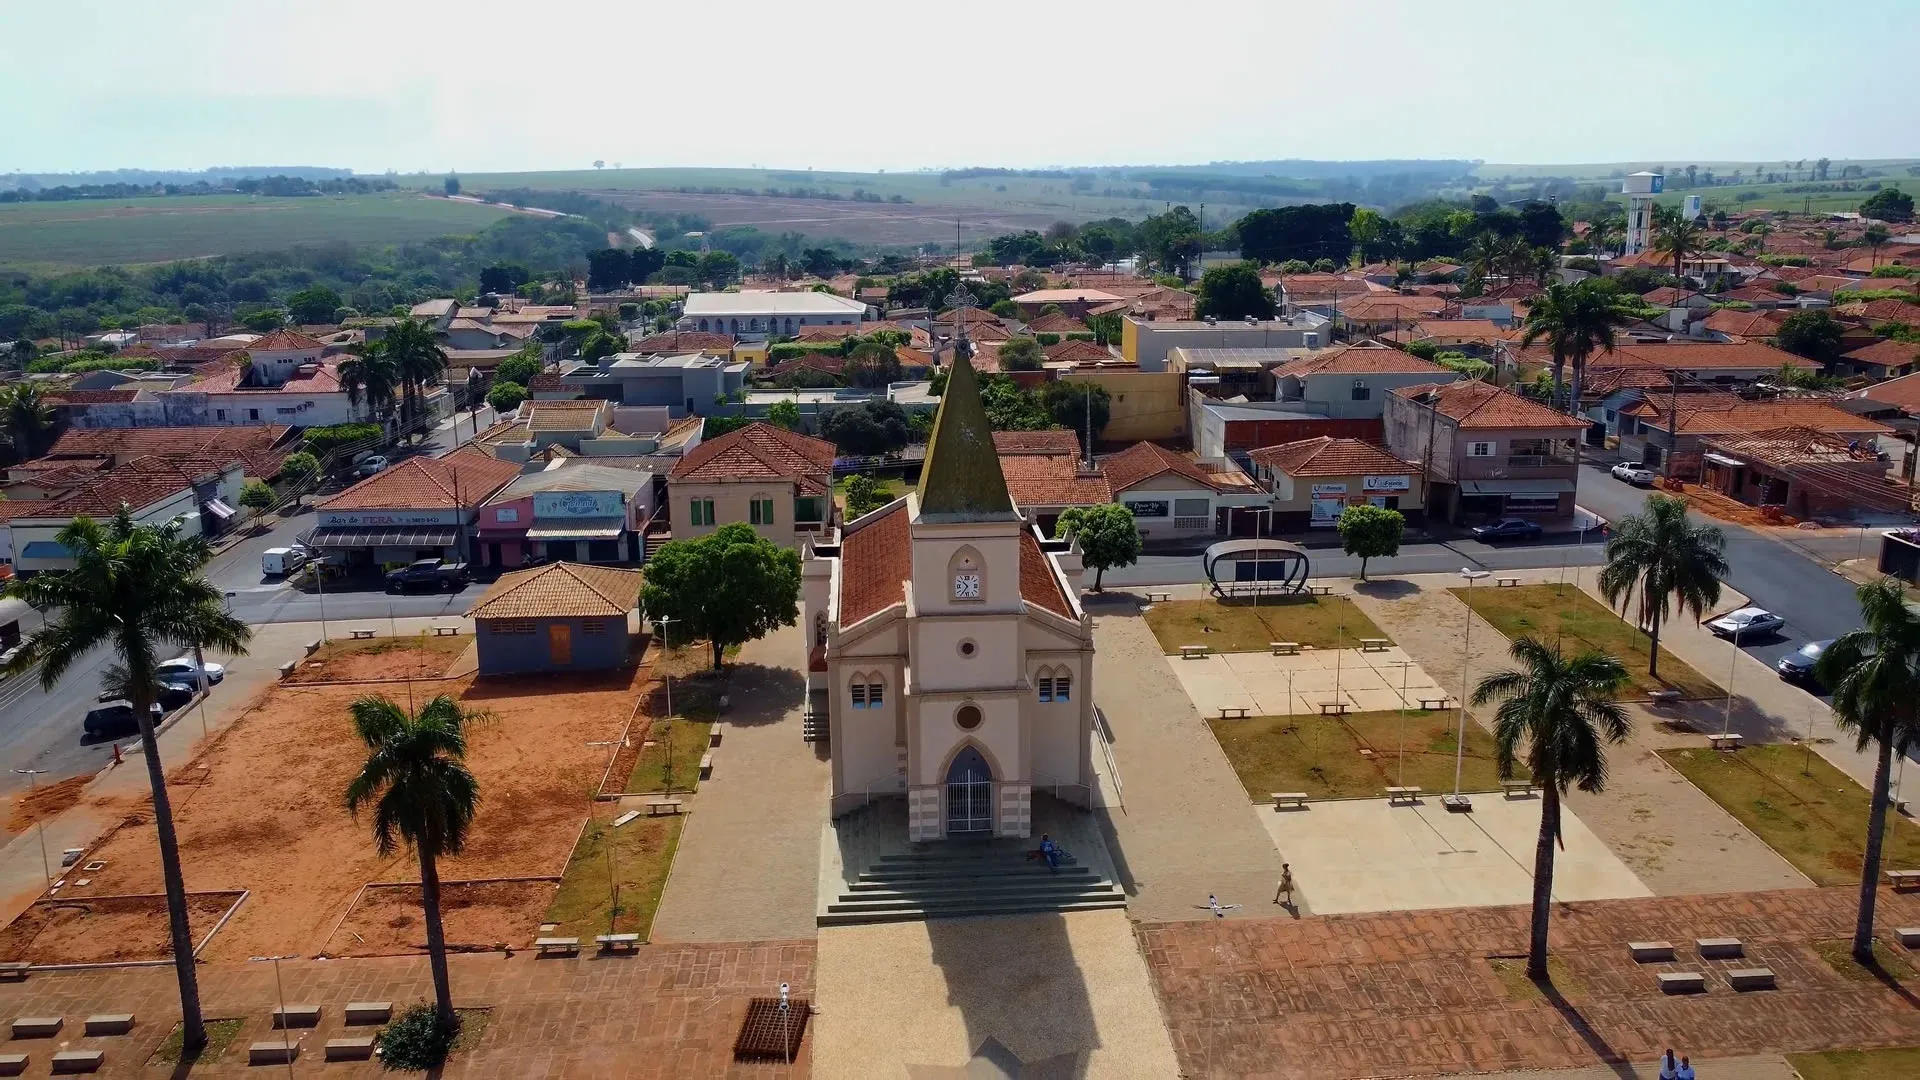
x: 1187, y: 829
x: 748, y: 863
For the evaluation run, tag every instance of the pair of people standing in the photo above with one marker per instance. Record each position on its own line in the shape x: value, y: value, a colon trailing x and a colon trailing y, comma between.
x: 1675, y: 1070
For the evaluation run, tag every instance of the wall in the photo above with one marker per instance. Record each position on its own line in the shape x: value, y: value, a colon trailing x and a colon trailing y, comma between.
x: 1412, y: 435
x: 1170, y: 488
x: 514, y: 654
x: 1143, y: 406
x: 1294, y: 495
x: 1147, y: 344
x: 731, y: 503
x: 183, y: 506
x: 1335, y: 391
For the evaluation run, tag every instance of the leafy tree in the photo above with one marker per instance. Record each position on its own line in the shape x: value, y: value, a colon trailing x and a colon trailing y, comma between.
x: 1888, y: 204
x: 256, y: 496
x: 299, y: 467
x: 1005, y: 309
x: 1022, y: 354
x: 1010, y: 408
x: 1814, y: 334
x: 503, y: 278
x: 264, y: 320
x: 135, y: 589
x: 872, y: 365
x: 419, y: 361
x: 1371, y: 532
x: 1309, y: 232
x: 784, y: 414
x: 608, y: 269
x: 314, y: 304
x: 416, y: 782
x: 820, y: 262
x: 1574, y: 320
x: 451, y: 185
x: 1234, y: 291
x: 1082, y: 406
x: 26, y: 420
x: 1663, y: 558
x: 1027, y: 281
x: 1541, y: 225
x: 864, y: 495
x: 1369, y: 229
x: 1875, y: 237
x: 1875, y: 675
x: 1172, y: 239
x: 1106, y: 328
x: 1106, y: 533
x: 643, y: 263
x: 937, y: 383
x: 1558, y: 715
x: 729, y: 587
x: 872, y: 427
x: 505, y: 397
x: 719, y: 268
x: 519, y: 368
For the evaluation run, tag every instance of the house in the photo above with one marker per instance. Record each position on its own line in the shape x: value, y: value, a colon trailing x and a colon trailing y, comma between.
x: 1073, y: 302
x: 1734, y: 324
x: 1056, y: 323
x: 1320, y: 294
x: 201, y: 494
x: 260, y: 450
x: 572, y: 510
x: 1378, y: 313
x: 1313, y: 482
x: 1299, y: 394
x: 419, y: 509
x: 954, y: 656
x: 1806, y: 473
x: 1659, y: 429
x: 1351, y: 381
x: 1046, y: 474
x: 756, y: 315
x: 1177, y: 497
x: 1729, y: 363
x: 776, y: 480
x: 1884, y: 359
x: 680, y: 342
x: 1476, y: 337
x: 1899, y: 396
x: 559, y: 617
x: 464, y: 334
x: 1487, y: 453
x: 1881, y: 311
x: 688, y: 383
x: 1147, y: 342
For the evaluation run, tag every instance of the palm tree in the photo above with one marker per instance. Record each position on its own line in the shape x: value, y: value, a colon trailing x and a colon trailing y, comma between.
x: 1668, y: 559
x: 25, y: 419
x: 371, y: 376
x: 1485, y: 255
x: 1574, y: 320
x: 1875, y: 675
x: 135, y: 588
x: 1675, y: 234
x: 420, y: 361
x: 1557, y: 714
x: 417, y: 782
x: 1875, y: 236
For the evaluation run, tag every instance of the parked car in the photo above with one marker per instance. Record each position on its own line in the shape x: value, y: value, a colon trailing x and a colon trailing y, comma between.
x: 113, y: 718
x: 280, y: 561
x: 167, y: 695
x: 433, y: 574
x: 1797, y: 666
x: 181, y: 669
x: 1509, y: 529
x: 1746, y: 622
x: 370, y: 465
x: 1637, y: 475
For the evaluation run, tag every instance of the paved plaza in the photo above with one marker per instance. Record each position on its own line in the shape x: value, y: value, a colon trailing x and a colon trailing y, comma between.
x: 1269, y: 685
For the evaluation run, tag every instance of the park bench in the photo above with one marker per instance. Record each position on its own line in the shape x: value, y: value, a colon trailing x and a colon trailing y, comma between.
x: 557, y: 946
x: 362, y: 1013
x: 78, y: 1061
x: 1506, y: 582
x: 1909, y: 936
x: 1159, y: 597
x: 280, y: 1051
x: 1193, y: 652
x: 706, y: 765
x: 1510, y: 788
x: 353, y: 1048
x: 361, y: 634
x: 1231, y: 712
x: 1682, y: 982
x: 1897, y: 878
x: 1663, y: 697
x: 656, y: 807
x: 1751, y: 978
x: 1320, y: 590
x: 1284, y: 799
x: 109, y: 1024
x: 313, y: 646
x: 1650, y: 952
x: 1284, y: 648
x: 287, y: 669
x: 618, y: 942
x: 1333, y: 708
x: 713, y: 739
x: 1402, y: 794
x: 1719, y: 948
x: 1726, y: 740
x: 446, y: 631
x: 293, y: 1016
x: 12, y: 1064
x: 37, y: 1027
x: 15, y: 970
x: 1374, y: 644
x: 1899, y: 807
x: 1435, y: 703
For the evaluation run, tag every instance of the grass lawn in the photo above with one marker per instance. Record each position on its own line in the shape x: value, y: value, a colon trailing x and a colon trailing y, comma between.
x: 1898, y: 1064
x: 1578, y: 620
x: 220, y: 1035
x: 654, y: 771
x: 643, y: 852
x: 1324, y: 622
x: 1818, y: 823
x: 891, y: 487
x: 1322, y: 756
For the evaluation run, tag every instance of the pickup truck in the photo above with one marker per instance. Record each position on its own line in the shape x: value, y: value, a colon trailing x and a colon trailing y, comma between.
x: 431, y: 574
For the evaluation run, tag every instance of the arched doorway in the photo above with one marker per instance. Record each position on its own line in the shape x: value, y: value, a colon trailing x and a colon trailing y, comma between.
x: 969, y: 794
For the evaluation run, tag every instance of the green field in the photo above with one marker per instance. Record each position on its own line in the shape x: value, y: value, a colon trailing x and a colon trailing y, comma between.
x: 62, y: 235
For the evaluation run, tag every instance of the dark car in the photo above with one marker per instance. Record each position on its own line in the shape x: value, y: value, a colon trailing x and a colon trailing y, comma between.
x: 429, y: 574
x: 114, y: 718
x: 1797, y: 666
x: 1509, y: 529
x: 167, y: 695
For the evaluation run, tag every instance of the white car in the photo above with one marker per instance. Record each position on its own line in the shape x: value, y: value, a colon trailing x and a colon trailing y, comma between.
x: 1637, y: 475
x: 183, y: 670
x: 1746, y: 622
x: 370, y: 466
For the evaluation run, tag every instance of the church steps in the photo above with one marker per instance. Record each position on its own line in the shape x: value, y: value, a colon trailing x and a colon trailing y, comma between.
x: 960, y: 890
x: 882, y: 875
x: 915, y: 913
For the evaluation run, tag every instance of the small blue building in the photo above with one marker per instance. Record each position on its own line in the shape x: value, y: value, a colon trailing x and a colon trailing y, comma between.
x: 558, y: 617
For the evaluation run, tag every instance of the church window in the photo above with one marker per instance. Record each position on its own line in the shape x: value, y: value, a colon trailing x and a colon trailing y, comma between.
x: 859, y: 691
x: 1062, y: 687
x: 873, y: 693
x: 968, y: 648
x: 867, y: 691
x: 1046, y: 687
x: 968, y: 717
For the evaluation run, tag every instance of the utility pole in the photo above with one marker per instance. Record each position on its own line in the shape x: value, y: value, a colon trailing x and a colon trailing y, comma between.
x: 1673, y: 420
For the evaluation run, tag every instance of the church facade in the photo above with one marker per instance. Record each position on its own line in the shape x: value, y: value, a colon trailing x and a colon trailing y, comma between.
x: 947, y: 637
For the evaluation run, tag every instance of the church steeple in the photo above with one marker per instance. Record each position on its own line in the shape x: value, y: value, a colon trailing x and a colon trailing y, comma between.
x: 960, y: 479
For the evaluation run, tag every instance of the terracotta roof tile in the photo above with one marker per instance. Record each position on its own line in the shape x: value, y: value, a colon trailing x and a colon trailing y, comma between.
x: 684, y: 341
x: 875, y: 559
x: 1145, y: 460
x: 286, y: 341
x: 1886, y: 352
x: 1700, y: 355
x: 1358, y: 359
x: 1074, y: 351
x: 1474, y: 405
x: 1390, y: 307
x: 568, y: 590
x: 759, y: 452
x: 418, y: 483
x: 1039, y: 585
x: 1057, y: 323
x: 1051, y: 441
x: 1899, y: 311
x: 1725, y: 414
x: 1746, y: 324
x: 1328, y: 456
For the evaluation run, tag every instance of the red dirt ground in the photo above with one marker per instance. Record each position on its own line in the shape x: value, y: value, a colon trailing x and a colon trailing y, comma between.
x: 79, y: 930
x: 477, y: 917
x: 45, y: 803
x: 381, y: 658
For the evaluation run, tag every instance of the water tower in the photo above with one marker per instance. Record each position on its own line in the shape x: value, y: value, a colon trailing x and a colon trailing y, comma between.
x: 1640, y: 188
x: 1690, y: 208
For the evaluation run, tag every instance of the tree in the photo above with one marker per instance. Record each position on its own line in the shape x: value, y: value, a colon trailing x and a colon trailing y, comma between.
x: 1309, y: 232
x: 820, y: 262
x: 867, y: 429
x: 1542, y: 225
x: 505, y: 397
x: 134, y: 589
x: 719, y: 268
x: 1171, y: 240
x: 1234, y: 291
x: 1010, y: 408
x: 314, y: 304
x: 256, y: 496
x: 1082, y: 406
x: 264, y: 320
x: 1371, y: 532
x: 1875, y: 675
x: 1369, y: 229
x: 1875, y: 238
x: 416, y: 782
x: 25, y: 419
x: 864, y: 495
x: 1558, y: 715
x: 371, y: 376
x: 729, y: 587
x: 872, y: 365
x: 299, y: 467
x: 520, y: 367
x: 784, y: 414
x: 643, y: 263
x: 503, y: 278
x: 607, y: 269
x: 1106, y: 533
x: 1667, y: 559
x: 1574, y: 320
x: 418, y: 360
x: 1813, y: 334
x: 1106, y: 328
x: 1027, y: 281
x: 1888, y: 204
x: 1022, y: 354
x: 1675, y: 234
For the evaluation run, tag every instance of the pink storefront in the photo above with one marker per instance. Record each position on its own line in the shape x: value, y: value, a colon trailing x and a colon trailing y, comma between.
x: 501, y: 540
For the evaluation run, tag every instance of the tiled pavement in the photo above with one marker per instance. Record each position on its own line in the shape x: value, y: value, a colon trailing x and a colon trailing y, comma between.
x: 670, y: 1011
x: 1414, y: 993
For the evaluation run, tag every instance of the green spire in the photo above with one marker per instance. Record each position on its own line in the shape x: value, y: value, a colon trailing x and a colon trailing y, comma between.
x: 961, y: 477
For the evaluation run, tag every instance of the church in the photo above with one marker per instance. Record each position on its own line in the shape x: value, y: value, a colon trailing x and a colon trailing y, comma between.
x: 947, y: 639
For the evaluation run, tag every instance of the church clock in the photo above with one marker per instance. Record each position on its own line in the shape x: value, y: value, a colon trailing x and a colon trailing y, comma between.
x: 966, y: 586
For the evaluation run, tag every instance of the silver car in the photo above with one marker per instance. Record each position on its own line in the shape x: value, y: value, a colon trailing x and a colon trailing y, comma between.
x: 1637, y: 475
x: 1746, y: 622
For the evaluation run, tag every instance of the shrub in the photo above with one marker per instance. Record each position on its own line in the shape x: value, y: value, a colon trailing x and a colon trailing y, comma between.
x: 416, y: 1040
x: 299, y: 466
x: 324, y: 440
x: 519, y: 368
x: 1081, y: 336
x: 787, y: 350
x: 255, y: 495
x: 506, y: 397
x: 1047, y: 339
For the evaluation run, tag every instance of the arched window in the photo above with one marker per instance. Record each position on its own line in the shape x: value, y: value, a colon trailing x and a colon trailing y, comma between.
x: 736, y: 325
x: 789, y: 324
x: 1054, y: 684
x: 753, y: 326
x: 867, y: 691
x: 967, y: 574
x: 703, y: 324
x: 819, y: 628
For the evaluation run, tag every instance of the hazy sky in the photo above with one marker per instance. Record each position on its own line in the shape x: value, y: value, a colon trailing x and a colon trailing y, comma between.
x: 483, y: 86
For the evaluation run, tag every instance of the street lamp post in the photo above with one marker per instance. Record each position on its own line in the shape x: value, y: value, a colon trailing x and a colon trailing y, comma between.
x: 1733, y: 662
x: 33, y: 784
x: 613, y: 863
x: 1457, y: 801
x: 280, y: 991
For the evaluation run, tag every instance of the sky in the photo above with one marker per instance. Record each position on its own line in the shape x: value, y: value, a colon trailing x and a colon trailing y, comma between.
x: 483, y: 86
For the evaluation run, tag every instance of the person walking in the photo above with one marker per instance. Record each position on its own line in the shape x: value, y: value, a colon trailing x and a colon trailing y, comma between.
x: 1686, y: 1067
x: 1286, y: 885
x: 1669, y: 1068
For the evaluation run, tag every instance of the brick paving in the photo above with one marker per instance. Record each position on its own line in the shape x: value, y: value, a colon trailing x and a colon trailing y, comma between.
x: 670, y: 1011
x: 1414, y: 993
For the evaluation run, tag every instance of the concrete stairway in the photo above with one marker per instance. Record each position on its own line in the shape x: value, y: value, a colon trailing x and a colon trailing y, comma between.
x: 958, y: 878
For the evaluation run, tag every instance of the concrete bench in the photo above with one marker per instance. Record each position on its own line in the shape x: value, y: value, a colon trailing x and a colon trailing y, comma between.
x: 1650, y: 952
x: 353, y: 1048
x: 12, y: 1064
x: 1374, y: 644
x: 273, y: 1052
x: 446, y: 631
x: 618, y: 942
x: 37, y: 1027
x: 1663, y: 697
x: 15, y: 970
x: 1284, y: 799
x: 1897, y: 878
x: 293, y: 1016
x: 1510, y: 788
x: 1231, y: 712
x: 1909, y: 936
x: 361, y: 634
x: 1431, y: 703
x: 1334, y: 708
x: 1193, y: 652
x: 78, y: 1061
x: 109, y: 1024
x: 1724, y: 741
x: 656, y: 807
x: 713, y: 739
x: 1719, y: 948
x: 362, y: 1013
x: 313, y: 646
x: 1284, y: 648
x: 1751, y: 978
x: 1402, y: 794
x: 706, y: 765
x: 1319, y: 590
x: 1506, y: 582
x: 557, y: 946
x: 1159, y: 597
x: 1682, y: 982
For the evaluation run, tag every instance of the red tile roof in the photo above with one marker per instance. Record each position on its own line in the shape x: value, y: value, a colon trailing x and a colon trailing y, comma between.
x: 1051, y: 441
x: 1704, y: 355
x: 91, y: 397
x: 286, y: 341
x: 1702, y: 414
x: 1478, y: 406
x: 1328, y: 456
x: 1899, y: 311
x: 1392, y: 307
x: 1886, y: 353
x: 1746, y: 324
x: 1039, y: 585
x: 258, y: 447
x: 756, y: 453
x: 875, y: 560
x: 1144, y: 461
x: 1358, y: 360
x: 562, y: 589
x: 1903, y: 392
x: 1057, y: 323
x: 467, y: 477
x: 684, y: 341
x: 1075, y: 351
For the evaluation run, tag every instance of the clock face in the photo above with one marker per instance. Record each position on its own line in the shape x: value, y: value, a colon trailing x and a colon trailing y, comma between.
x: 966, y: 586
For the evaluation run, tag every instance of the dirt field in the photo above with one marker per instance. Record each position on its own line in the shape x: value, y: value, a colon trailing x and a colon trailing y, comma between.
x: 265, y: 813
x: 77, y: 930
x: 420, y: 657
x: 478, y: 917
x: 860, y: 223
x: 45, y: 803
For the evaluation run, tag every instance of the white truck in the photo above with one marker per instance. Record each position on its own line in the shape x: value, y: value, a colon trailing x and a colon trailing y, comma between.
x: 281, y: 561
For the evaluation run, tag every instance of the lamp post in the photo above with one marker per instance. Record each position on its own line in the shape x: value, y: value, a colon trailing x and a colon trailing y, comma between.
x: 33, y: 784
x: 280, y: 991
x: 613, y: 863
x: 666, y: 651
x: 1401, y: 759
x: 1733, y: 662
x: 1457, y: 801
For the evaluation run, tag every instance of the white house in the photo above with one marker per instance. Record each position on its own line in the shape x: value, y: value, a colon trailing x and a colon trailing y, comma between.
x: 755, y: 315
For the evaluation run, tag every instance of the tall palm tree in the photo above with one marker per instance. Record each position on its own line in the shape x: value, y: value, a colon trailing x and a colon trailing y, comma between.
x: 1667, y: 559
x: 1574, y: 320
x: 420, y: 361
x: 372, y: 376
x: 1485, y: 254
x: 1675, y: 234
x: 416, y: 780
x: 1875, y: 675
x: 1557, y: 714
x: 135, y: 588
x: 25, y: 419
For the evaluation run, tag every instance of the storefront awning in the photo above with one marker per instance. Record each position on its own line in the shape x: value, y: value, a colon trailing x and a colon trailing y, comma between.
x: 1515, y: 487
x: 391, y: 536
x: 1722, y: 459
x: 578, y: 529
x: 219, y: 509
